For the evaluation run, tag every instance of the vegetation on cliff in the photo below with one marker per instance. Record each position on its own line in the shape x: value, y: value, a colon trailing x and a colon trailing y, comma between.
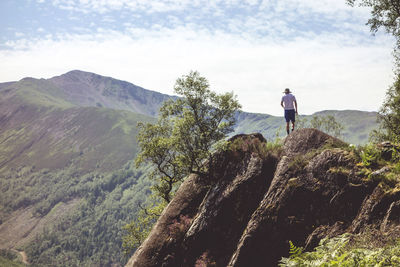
x: 180, y: 143
x: 378, y: 164
x: 347, y: 250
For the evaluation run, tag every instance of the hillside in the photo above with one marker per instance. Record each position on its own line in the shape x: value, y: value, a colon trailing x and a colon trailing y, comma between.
x: 259, y: 197
x: 89, y: 89
x: 66, y: 177
x: 85, y: 89
x: 67, y: 182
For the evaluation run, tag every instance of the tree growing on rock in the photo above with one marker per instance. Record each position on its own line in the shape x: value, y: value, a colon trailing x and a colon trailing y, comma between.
x: 179, y: 143
x: 187, y: 129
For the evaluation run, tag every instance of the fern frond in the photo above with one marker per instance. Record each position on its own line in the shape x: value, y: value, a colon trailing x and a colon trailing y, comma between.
x: 293, y: 250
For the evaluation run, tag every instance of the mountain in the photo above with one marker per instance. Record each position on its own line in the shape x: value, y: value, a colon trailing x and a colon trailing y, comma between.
x: 89, y: 89
x: 66, y: 173
x: 257, y: 198
x: 67, y: 179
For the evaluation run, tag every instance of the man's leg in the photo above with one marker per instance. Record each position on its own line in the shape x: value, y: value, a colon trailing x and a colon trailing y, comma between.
x: 292, y: 126
x: 287, y: 127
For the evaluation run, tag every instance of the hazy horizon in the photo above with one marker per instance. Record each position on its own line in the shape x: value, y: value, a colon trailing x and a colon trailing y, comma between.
x: 322, y: 50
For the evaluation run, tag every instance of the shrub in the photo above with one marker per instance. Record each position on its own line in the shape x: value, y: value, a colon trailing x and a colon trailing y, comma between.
x: 338, y: 251
x: 370, y: 156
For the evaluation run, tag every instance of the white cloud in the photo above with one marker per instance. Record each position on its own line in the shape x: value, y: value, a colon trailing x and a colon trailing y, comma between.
x: 335, y: 8
x: 322, y: 72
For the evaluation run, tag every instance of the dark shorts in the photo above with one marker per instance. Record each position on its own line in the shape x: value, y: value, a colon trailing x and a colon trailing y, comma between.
x: 290, y: 115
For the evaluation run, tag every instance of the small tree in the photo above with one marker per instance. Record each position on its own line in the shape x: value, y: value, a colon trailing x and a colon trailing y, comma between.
x: 138, y: 229
x: 179, y: 143
x: 327, y: 124
x: 187, y: 129
x: 389, y: 115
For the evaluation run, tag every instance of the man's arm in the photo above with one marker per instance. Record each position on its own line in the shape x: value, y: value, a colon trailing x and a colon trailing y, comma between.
x: 295, y: 105
x: 282, y: 104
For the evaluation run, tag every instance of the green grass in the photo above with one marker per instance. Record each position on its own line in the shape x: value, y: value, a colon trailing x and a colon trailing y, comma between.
x: 4, y: 262
x: 41, y: 93
x: 10, y: 258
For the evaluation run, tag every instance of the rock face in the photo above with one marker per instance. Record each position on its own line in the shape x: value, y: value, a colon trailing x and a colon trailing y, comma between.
x: 253, y: 203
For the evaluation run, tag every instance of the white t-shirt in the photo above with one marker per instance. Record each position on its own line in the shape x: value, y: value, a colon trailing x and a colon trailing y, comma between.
x: 288, y: 100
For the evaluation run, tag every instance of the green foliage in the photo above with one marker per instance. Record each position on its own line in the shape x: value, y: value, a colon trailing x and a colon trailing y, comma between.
x: 186, y: 132
x: 301, y: 122
x: 138, y: 229
x: 338, y: 251
x: 327, y: 124
x: 293, y: 250
x: 298, y: 163
x: 6, y: 262
x: 179, y: 143
x: 386, y: 14
x: 378, y: 163
x: 389, y: 115
x: 371, y: 156
x: 5, y: 253
x: 91, y: 233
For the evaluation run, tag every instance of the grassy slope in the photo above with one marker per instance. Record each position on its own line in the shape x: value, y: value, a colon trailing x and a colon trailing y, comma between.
x: 86, y: 89
x: 89, y: 89
x: 4, y: 262
x: 53, y: 152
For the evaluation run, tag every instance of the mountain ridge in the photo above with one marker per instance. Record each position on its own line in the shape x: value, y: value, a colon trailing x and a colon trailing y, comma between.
x: 81, y: 88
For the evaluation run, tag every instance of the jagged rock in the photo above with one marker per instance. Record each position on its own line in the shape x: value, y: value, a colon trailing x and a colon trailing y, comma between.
x: 239, y: 181
x: 392, y: 216
x: 252, y: 205
x: 380, y: 171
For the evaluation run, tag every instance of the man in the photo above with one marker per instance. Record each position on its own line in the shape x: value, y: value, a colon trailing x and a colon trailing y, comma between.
x: 289, y: 104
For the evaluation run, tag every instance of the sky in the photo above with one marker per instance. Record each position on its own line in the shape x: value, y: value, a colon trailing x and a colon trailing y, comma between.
x: 320, y: 49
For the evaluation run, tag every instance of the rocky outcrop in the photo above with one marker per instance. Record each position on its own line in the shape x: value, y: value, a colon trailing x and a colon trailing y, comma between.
x: 254, y: 202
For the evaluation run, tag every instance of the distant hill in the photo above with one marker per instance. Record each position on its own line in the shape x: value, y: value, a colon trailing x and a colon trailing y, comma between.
x: 92, y: 90
x: 67, y: 182
x: 357, y: 124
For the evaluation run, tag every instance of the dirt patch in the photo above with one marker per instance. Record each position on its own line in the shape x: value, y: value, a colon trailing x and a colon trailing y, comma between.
x: 22, y: 226
x: 24, y: 257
